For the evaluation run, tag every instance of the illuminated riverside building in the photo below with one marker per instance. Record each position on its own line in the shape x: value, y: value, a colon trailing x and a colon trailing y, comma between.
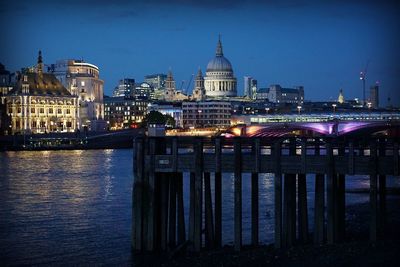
x: 206, y: 114
x: 82, y: 79
x: 121, y: 112
x: 39, y: 103
x: 220, y: 80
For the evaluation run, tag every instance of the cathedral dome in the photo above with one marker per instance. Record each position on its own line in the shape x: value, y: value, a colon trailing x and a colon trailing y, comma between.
x: 219, y: 62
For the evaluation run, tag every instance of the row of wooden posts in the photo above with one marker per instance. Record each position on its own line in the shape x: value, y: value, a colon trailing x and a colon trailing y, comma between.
x: 158, y: 202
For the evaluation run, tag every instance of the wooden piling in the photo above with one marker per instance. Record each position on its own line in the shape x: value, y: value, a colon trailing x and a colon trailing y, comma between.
x: 164, y: 210
x: 218, y: 193
x: 319, y: 213
x: 209, y: 227
x: 150, y: 222
x: 319, y: 200
x: 181, y: 212
x: 302, y: 208
x: 238, y: 195
x: 172, y: 210
x: 198, y: 218
x: 302, y: 196
x: 254, y: 194
x: 331, y: 193
x: 191, y: 207
x: 137, y: 194
x: 373, y: 197
x: 278, y: 194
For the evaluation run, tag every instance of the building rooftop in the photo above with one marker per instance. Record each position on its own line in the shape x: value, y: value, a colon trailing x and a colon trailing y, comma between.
x: 40, y: 84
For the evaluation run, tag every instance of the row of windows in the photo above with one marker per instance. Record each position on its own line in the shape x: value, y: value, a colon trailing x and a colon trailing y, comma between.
x: 42, y: 124
x: 208, y: 111
x: 205, y: 116
x: 206, y: 106
x: 41, y: 110
x: 206, y: 122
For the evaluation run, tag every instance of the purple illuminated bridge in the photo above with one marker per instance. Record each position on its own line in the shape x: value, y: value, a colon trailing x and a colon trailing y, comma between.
x: 333, y: 128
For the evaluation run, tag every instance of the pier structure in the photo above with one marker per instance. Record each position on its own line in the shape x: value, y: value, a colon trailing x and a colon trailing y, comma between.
x: 160, y: 162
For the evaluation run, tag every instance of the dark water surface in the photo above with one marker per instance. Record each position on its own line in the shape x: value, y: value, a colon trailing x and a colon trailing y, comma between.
x: 74, y: 207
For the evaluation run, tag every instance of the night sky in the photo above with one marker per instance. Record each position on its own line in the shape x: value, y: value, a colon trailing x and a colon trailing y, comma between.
x: 322, y: 46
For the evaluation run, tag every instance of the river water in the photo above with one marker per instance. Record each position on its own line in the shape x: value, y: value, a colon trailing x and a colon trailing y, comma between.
x: 74, y: 207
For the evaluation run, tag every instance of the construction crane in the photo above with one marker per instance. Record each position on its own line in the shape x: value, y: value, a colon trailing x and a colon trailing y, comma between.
x: 190, y: 81
x: 363, y: 75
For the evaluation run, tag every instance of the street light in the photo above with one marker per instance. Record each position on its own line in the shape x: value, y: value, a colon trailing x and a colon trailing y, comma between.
x: 334, y: 107
x: 299, y: 109
x: 362, y: 78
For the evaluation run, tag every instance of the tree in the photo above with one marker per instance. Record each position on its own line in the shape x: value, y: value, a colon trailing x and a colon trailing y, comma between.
x: 169, y: 120
x: 153, y: 117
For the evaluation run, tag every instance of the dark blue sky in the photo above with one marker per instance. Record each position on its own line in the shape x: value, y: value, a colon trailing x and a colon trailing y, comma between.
x: 322, y: 46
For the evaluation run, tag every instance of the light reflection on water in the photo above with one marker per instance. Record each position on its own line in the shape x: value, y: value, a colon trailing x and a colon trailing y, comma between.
x: 65, y: 207
x: 74, y: 207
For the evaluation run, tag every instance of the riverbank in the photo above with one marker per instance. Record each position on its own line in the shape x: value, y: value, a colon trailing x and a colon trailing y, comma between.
x: 70, y: 141
x: 355, y: 250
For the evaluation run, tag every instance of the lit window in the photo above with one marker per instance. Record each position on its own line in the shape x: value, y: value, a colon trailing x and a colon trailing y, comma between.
x: 82, y: 83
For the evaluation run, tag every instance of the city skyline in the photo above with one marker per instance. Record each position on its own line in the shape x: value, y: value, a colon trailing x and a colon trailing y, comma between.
x: 322, y: 47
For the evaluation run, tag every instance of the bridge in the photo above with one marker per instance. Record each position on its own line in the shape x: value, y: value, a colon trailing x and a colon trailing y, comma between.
x: 324, y: 128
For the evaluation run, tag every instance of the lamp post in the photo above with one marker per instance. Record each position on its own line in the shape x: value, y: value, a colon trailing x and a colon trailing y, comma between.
x: 299, y: 109
x: 334, y: 107
x: 362, y: 78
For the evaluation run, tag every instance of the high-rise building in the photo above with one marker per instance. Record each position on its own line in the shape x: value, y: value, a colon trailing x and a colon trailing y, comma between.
x: 143, y: 90
x: 219, y: 80
x: 250, y: 87
x: 124, y: 88
x: 247, y: 86
x: 82, y: 79
x: 374, y: 96
x: 157, y: 81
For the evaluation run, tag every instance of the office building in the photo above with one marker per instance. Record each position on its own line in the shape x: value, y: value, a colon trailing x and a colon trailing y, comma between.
x: 124, y: 88
x: 374, y: 96
x: 200, y: 114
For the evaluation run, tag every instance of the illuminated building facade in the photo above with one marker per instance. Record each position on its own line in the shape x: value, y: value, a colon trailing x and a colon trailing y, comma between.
x: 170, y: 92
x: 39, y: 103
x: 199, y: 92
x: 172, y: 109
x: 82, y: 79
x: 206, y: 114
x: 250, y: 87
x: 121, y: 112
x: 143, y: 90
x: 220, y: 80
x: 374, y: 96
x: 124, y: 88
x: 157, y: 81
x: 277, y: 94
